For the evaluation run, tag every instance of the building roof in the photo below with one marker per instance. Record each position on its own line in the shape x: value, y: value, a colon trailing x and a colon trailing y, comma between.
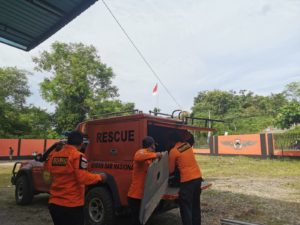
x: 24, y: 24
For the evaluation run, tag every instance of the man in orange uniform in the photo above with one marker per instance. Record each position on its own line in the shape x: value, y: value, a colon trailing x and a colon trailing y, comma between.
x: 181, y: 156
x: 67, y: 167
x: 142, y: 159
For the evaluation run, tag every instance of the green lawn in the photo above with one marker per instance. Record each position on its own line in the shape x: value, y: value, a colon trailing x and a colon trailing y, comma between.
x: 239, y: 166
x: 5, y: 175
x: 253, y: 190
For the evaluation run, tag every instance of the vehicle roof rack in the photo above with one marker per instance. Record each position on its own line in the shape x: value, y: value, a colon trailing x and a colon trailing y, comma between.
x: 160, y: 114
x: 180, y: 117
x: 207, y: 122
x: 122, y: 113
x: 155, y: 113
x: 189, y: 120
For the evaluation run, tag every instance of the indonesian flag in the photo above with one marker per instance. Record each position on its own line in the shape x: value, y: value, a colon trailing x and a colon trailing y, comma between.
x: 155, y: 90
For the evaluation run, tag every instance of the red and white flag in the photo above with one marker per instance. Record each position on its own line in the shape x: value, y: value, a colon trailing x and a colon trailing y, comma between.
x: 155, y: 90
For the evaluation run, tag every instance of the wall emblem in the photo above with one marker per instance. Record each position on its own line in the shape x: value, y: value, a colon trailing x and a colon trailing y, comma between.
x: 238, y: 144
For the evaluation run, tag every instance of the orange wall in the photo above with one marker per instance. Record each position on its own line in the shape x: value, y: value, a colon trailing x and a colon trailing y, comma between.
x: 201, y: 151
x: 50, y: 142
x: 287, y: 153
x: 5, y: 144
x: 249, y: 144
x: 28, y: 146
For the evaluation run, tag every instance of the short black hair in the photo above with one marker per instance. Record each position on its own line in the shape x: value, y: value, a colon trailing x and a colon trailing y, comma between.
x: 148, y: 141
x: 174, y: 137
x: 75, y: 138
x: 191, y: 140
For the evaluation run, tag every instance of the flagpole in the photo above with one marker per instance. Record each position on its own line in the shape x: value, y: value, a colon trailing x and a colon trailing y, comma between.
x: 209, y: 126
x: 155, y: 92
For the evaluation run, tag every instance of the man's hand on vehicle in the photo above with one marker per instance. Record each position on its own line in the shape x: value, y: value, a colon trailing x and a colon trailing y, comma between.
x: 159, y: 155
x: 103, y: 177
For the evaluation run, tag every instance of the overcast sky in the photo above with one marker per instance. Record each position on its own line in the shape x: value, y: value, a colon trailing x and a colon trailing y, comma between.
x: 193, y: 45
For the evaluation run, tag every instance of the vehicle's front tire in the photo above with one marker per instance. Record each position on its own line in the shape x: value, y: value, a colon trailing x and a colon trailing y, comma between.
x: 99, y: 207
x: 23, y: 191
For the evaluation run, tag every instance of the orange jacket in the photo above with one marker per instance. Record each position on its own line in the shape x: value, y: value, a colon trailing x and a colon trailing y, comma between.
x: 182, y: 156
x: 141, y: 161
x: 69, y: 176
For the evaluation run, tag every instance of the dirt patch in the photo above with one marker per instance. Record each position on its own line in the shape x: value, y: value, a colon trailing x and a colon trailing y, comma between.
x: 6, y: 163
x: 256, y: 200
x: 261, y: 187
x: 12, y: 214
x: 232, y: 198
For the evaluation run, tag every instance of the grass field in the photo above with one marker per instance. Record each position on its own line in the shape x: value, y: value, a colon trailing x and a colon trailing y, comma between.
x: 246, y: 189
x: 240, y: 166
x: 5, y: 176
x: 254, y: 190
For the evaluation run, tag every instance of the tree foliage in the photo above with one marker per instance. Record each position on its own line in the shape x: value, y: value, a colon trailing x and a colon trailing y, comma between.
x: 13, y: 91
x: 39, y: 123
x: 243, y: 111
x: 289, y: 115
x: 13, y: 87
x: 16, y: 118
x: 80, y: 85
x: 292, y: 91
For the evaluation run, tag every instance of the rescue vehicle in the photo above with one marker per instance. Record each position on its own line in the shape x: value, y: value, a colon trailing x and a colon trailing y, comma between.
x: 112, y: 143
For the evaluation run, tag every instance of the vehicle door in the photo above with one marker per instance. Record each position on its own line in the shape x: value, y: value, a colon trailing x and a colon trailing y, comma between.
x: 156, y: 183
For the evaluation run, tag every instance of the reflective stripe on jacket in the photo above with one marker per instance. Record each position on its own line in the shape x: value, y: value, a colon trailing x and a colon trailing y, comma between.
x: 182, y: 156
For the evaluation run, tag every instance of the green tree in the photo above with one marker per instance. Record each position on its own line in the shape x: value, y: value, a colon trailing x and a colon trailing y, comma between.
x: 292, y: 91
x: 219, y: 103
x: 16, y: 118
x: 110, y: 106
x: 39, y: 123
x: 275, y: 102
x: 243, y: 111
x: 80, y: 85
x: 13, y: 92
x: 289, y: 115
x: 13, y: 86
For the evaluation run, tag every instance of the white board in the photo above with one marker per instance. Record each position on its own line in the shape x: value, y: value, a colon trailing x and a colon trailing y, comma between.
x: 156, y: 183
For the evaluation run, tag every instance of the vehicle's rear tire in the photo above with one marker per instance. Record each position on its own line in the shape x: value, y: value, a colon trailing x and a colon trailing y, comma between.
x: 99, y: 207
x: 23, y: 191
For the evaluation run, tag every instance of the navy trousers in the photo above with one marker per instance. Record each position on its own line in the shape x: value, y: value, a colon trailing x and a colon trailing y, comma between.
x: 189, y: 202
x: 134, y: 205
x: 66, y: 215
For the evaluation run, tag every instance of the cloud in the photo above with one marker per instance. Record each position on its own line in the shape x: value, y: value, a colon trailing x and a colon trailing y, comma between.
x: 192, y: 45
